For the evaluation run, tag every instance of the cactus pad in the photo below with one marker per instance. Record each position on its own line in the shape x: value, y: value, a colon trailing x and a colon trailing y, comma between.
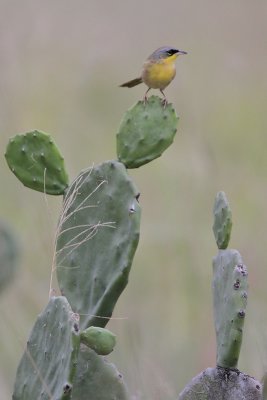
x: 101, y: 340
x: 146, y: 130
x: 8, y: 255
x: 97, y: 379
x: 222, y: 384
x: 230, y: 288
x: 222, y: 225
x: 97, y: 237
x: 48, y: 365
x: 35, y: 160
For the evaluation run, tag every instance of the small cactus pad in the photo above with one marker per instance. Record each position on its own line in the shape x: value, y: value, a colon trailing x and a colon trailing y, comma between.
x: 8, y: 255
x: 48, y: 365
x: 222, y: 384
x: 264, y: 389
x: 101, y: 340
x: 230, y: 288
x: 97, y: 237
x: 97, y: 379
x: 222, y: 225
x: 36, y: 161
x: 146, y: 130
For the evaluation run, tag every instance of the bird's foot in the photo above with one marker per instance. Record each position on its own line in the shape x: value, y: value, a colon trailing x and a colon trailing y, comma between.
x: 164, y: 102
x: 145, y: 100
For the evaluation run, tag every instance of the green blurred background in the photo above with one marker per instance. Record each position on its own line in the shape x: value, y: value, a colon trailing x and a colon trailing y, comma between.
x: 61, y: 64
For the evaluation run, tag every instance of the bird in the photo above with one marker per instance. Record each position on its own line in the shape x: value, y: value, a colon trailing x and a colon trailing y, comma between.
x: 158, y: 71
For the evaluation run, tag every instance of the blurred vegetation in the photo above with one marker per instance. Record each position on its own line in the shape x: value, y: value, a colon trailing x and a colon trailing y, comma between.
x: 61, y: 64
x: 9, y: 255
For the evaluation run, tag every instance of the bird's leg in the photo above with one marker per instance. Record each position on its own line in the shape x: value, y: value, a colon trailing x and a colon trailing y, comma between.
x: 145, y: 96
x: 164, y: 101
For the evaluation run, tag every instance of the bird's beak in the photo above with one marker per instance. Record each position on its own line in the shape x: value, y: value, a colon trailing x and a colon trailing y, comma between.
x: 181, y: 52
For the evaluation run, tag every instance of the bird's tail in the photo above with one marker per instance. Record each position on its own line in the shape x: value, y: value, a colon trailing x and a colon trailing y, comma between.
x: 132, y: 83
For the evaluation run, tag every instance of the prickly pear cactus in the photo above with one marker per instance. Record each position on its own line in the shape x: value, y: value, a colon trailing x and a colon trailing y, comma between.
x: 229, y: 304
x: 145, y: 132
x: 97, y: 237
x: 8, y: 255
x: 101, y: 340
x: 221, y: 384
x: 222, y: 225
x: 48, y: 365
x: 230, y: 288
x: 36, y: 161
x: 97, y: 379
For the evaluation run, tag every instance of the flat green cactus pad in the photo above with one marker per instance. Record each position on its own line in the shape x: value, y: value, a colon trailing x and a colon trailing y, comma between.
x: 97, y: 237
x: 146, y: 130
x: 97, y: 379
x: 222, y: 384
x: 8, y: 255
x: 48, y: 365
x: 36, y: 161
x: 230, y: 287
x: 222, y: 225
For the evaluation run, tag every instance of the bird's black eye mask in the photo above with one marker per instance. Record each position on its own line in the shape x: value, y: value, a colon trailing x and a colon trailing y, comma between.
x: 171, y: 52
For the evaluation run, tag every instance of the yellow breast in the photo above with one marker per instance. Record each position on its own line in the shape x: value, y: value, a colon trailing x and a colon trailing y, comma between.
x: 158, y: 74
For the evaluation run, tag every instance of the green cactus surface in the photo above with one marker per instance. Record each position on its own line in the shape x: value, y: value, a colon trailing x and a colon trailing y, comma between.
x: 101, y: 340
x: 48, y: 365
x: 264, y: 389
x: 8, y: 255
x: 146, y: 130
x: 36, y: 161
x: 97, y: 379
x: 230, y: 286
x: 222, y: 225
x: 222, y: 384
x: 97, y: 237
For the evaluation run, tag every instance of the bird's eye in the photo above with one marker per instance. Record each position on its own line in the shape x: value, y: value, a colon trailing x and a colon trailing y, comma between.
x: 171, y: 52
